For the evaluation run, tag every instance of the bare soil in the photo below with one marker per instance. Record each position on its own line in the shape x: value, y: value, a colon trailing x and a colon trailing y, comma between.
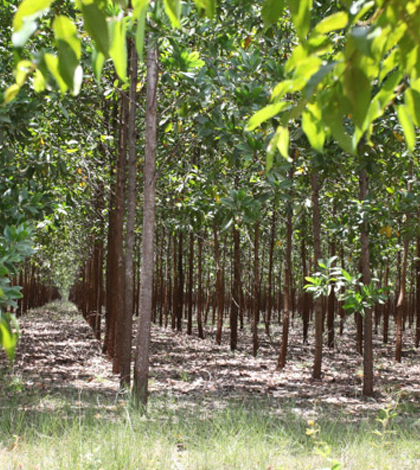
x: 58, y: 354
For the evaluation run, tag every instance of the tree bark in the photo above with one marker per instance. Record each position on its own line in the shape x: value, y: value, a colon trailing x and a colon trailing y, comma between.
x: 127, y: 326
x: 287, y: 284
x: 317, y: 256
x: 366, y: 278
x: 141, y: 370
x: 235, y: 298
x: 256, y: 290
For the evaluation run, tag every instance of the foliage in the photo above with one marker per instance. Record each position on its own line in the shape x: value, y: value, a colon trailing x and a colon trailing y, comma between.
x: 355, y: 295
x: 347, y: 70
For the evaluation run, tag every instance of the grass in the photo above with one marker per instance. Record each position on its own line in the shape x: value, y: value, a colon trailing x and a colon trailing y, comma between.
x: 90, y: 433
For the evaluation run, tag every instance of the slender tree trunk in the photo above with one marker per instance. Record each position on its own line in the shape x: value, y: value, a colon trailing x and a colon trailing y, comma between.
x: 190, y: 284
x: 235, y: 298
x: 218, y: 286
x: 141, y: 370
x: 417, y: 341
x: 366, y: 277
x: 130, y: 239
x: 270, y: 275
x: 401, y: 304
x: 180, y: 283
x: 331, y: 307
x: 287, y: 284
x: 305, y: 296
x: 200, y: 289
x: 119, y: 287
x: 256, y: 289
x: 317, y: 256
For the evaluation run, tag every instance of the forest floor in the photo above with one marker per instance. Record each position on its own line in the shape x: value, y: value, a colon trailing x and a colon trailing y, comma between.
x: 60, y: 369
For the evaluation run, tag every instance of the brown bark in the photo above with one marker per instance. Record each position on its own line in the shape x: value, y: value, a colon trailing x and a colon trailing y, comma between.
x: 236, y: 287
x: 287, y: 284
x: 417, y: 340
x: 190, y: 284
x: 366, y: 278
x: 316, y: 223
x: 219, y: 292
x: 200, y: 289
x: 256, y: 290
x: 269, y: 304
x: 141, y: 369
x: 127, y: 319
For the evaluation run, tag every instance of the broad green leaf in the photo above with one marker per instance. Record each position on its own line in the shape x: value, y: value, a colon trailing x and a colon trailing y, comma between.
x: 11, y: 93
x: 209, y: 6
x: 383, y: 97
x: 33, y: 8
x: 20, y: 38
x: 173, y: 10
x: 140, y: 31
x: 266, y: 113
x: 138, y: 7
x: 317, y: 78
x: 65, y: 30
x: 333, y: 22
x: 280, y: 142
x: 52, y: 64
x: 392, y: 61
x: 412, y: 102
x: 358, y: 90
x: 301, y: 15
x: 7, y: 338
x: 98, y: 60
x: 313, y: 126
x: 272, y: 11
x: 23, y: 68
x: 96, y: 25
x: 118, y: 50
x: 407, y: 126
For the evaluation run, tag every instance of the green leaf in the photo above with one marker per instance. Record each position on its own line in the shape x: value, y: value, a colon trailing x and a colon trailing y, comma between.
x: 118, y: 50
x: 8, y: 339
x: 65, y: 30
x: 173, y: 10
x: 272, y: 11
x: 407, y: 126
x: 358, y: 90
x: 313, y: 126
x: 20, y: 38
x: 30, y: 8
x: 333, y: 22
x: 11, y: 93
x: 52, y: 64
x: 96, y: 25
x: 266, y: 113
x: 140, y: 31
x: 280, y: 142
x: 412, y: 102
x: 208, y: 6
x: 301, y: 15
x: 98, y: 60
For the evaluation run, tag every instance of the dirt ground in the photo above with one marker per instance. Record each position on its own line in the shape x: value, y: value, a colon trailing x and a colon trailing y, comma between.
x: 58, y: 354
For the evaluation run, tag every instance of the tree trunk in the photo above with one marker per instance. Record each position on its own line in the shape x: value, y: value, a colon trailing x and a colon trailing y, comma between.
x: 127, y: 327
x: 287, y: 283
x: 200, y: 289
x: 190, y: 284
x: 417, y: 341
x: 401, y: 304
x: 218, y: 286
x: 269, y: 303
x: 366, y: 278
x: 256, y: 289
x: 141, y: 370
x: 317, y: 256
x: 235, y: 298
x: 331, y: 307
